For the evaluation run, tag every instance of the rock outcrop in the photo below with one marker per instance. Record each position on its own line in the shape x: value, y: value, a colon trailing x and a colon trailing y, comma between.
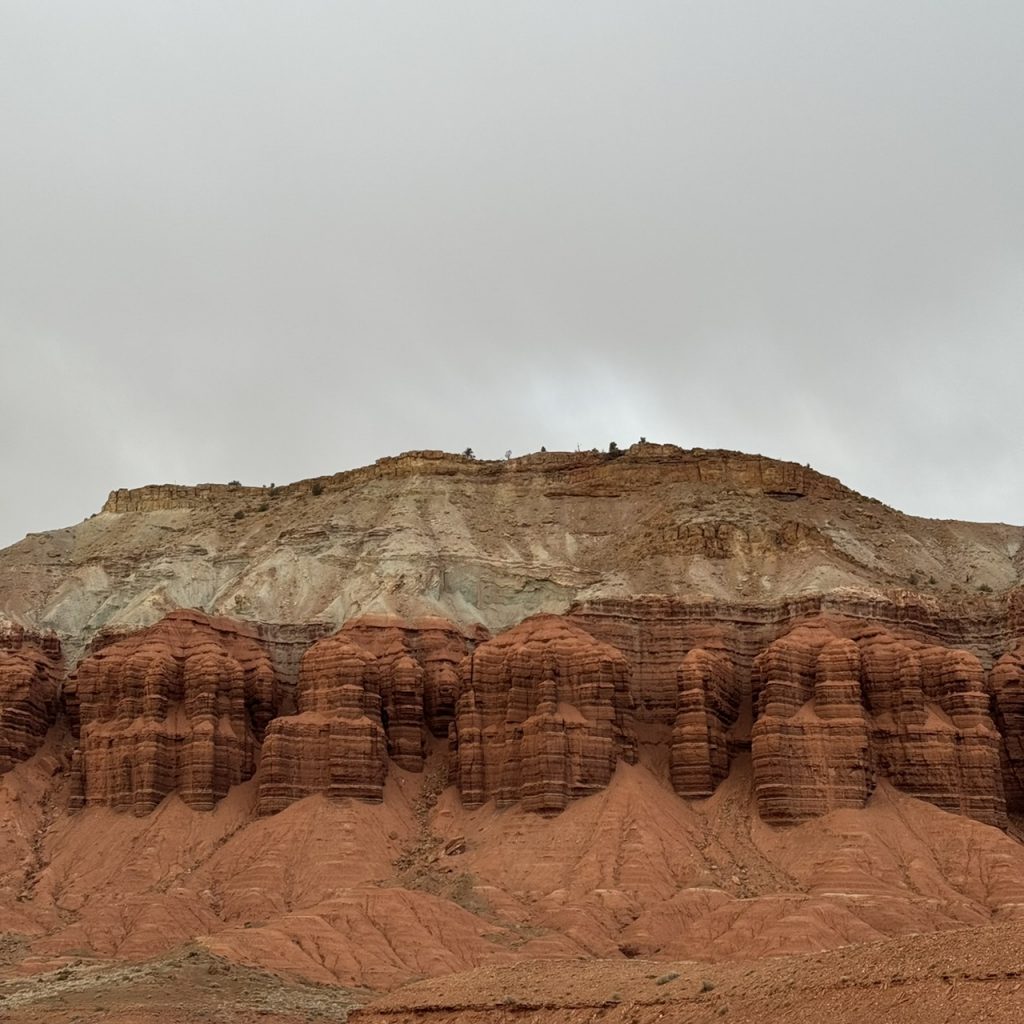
x: 1008, y: 701
x: 544, y: 712
x: 336, y: 744
x: 834, y: 713
x: 29, y: 669
x: 810, y: 742
x: 709, y: 701
x: 179, y: 707
x: 419, y: 662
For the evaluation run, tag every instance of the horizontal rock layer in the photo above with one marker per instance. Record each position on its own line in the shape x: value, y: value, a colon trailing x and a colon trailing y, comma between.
x: 541, y: 713
x: 836, y: 712
x: 335, y: 744
x: 179, y: 707
x: 544, y: 712
x: 29, y: 673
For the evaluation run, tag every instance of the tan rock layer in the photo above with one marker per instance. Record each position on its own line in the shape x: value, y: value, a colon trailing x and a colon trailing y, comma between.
x: 712, y: 468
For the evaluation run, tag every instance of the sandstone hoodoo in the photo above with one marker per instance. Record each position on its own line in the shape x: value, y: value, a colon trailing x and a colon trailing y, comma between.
x: 1008, y: 698
x: 419, y: 659
x: 543, y: 715
x: 709, y: 702
x: 336, y: 743
x: 29, y: 670
x: 180, y: 707
x: 835, y: 712
x: 444, y: 714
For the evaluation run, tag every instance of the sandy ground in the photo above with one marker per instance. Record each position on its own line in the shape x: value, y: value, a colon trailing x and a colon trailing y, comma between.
x: 973, y: 975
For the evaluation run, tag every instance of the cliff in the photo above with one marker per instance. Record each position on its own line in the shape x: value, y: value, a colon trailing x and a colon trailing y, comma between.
x: 437, y: 714
x: 491, y: 543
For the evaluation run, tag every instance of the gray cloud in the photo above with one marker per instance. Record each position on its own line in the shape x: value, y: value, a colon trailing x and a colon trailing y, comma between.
x: 267, y: 241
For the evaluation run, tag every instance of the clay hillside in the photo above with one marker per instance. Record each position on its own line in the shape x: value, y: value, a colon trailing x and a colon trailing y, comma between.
x: 706, y: 733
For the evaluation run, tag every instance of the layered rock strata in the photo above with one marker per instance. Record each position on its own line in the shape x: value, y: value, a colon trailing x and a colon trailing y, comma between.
x: 810, y: 742
x: 180, y: 707
x: 835, y: 712
x: 419, y: 662
x: 29, y: 670
x: 544, y: 712
x: 1008, y: 707
x: 335, y: 744
x: 708, y: 704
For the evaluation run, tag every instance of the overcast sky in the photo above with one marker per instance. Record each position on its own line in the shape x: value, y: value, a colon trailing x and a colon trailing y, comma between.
x: 267, y: 241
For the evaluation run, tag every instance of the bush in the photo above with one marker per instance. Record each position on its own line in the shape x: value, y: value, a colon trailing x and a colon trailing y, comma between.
x: 317, y: 489
x: 234, y: 483
x: 666, y: 978
x: 985, y: 588
x: 263, y: 507
x: 468, y: 453
x: 239, y: 514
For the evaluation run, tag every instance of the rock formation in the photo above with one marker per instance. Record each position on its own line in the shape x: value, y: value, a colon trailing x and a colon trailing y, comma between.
x: 810, y: 741
x: 179, y: 707
x: 835, y: 713
x: 544, y: 712
x: 28, y: 691
x: 336, y: 744
x: 709, y: 700
x: 418, y: 661
x: 1008, y: 700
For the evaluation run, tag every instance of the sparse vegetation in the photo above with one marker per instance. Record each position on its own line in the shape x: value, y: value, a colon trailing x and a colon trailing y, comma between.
x: 706, y: 986
x: 985, y: 588
x: 239, y: 514
x: 468, y: 453
x: 666, y: 978
x: 263, y: 507
x: 317, y: 489
x: 234, y: 483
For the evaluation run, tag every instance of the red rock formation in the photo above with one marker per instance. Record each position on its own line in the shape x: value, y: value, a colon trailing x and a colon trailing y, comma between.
x: 336, y: 743
x: 709, y: 700
x: 931, y: 730
x: 1008, y: 698
x: 833, y: 713
x: 810, y: 741
x: 543, y: 714
x: 28, y: 692
x: 179, y: 707
x: 419, y: 662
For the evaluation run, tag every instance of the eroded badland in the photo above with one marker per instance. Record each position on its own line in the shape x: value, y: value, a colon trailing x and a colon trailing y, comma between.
x: 675, y: 734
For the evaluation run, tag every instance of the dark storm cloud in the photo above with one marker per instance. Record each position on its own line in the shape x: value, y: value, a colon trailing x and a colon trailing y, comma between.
x: 267, y: 241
